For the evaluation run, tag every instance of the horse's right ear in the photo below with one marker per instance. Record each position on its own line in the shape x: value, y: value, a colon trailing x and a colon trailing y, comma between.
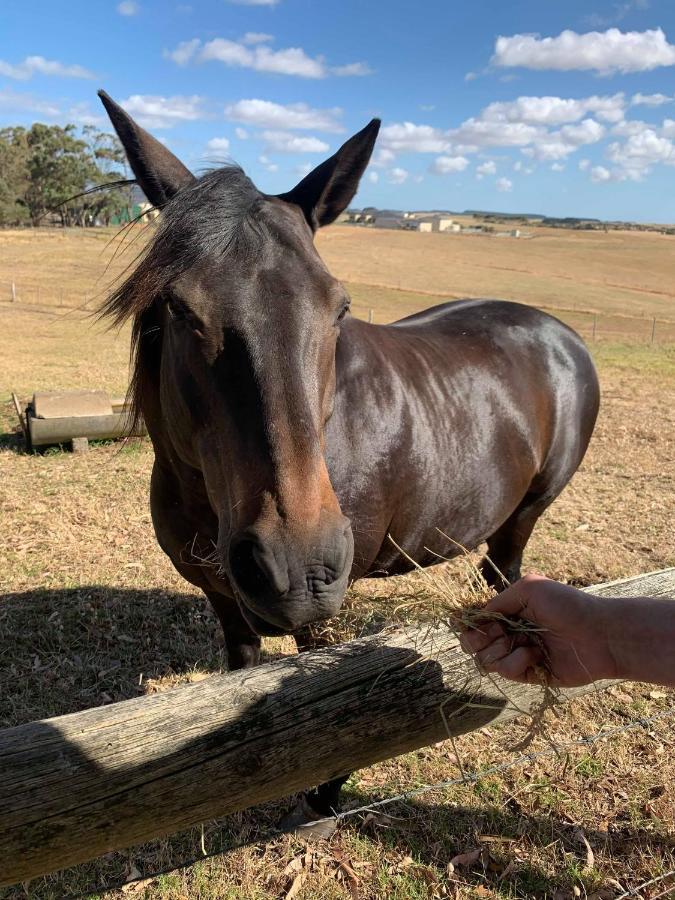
x: 328, y: 190
x: 158, y: 172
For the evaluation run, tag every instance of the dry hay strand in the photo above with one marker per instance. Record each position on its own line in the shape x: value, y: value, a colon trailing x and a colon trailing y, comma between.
x: 460, y: 605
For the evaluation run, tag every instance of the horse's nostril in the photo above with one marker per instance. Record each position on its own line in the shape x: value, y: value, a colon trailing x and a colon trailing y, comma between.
x: 246, y: 568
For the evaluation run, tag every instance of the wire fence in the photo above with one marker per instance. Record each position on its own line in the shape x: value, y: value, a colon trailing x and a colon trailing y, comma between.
x: 594, y: 327
x: 466, y: 778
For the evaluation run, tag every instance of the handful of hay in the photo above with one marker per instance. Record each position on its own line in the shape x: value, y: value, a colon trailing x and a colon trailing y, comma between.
x: 460, y: 604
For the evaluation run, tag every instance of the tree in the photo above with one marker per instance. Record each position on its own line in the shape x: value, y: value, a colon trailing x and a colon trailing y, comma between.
x: 48, y: 170
x: 14, y: 176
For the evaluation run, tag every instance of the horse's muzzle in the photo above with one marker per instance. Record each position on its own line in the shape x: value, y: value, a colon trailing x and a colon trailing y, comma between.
x: 280, y: 588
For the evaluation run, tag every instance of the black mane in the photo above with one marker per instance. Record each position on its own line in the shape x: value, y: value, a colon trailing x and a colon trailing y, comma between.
x: 212, y: 216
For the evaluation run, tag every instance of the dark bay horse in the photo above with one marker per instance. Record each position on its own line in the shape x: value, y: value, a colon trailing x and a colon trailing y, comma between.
x: 290, y: 438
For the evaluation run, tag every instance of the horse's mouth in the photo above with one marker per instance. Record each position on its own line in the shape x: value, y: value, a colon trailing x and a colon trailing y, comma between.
x: 261, y: 626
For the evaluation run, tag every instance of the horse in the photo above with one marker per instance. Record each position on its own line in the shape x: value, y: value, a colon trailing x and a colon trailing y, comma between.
x: 292, y: 439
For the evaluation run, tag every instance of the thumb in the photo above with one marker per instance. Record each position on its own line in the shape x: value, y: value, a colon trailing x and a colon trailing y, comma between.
x: 515, y: 598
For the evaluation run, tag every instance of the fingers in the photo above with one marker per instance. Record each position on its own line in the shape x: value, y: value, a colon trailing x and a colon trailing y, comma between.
x: 481, y: 636
x: 495, y: 652
x: 514, y: 599
x: 520, y: 665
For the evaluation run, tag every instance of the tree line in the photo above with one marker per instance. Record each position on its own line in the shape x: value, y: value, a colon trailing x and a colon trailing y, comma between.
x: 44, y: 168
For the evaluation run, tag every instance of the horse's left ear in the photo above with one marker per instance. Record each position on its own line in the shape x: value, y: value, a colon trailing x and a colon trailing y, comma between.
x: 327, y: 190
x: 159, y: 174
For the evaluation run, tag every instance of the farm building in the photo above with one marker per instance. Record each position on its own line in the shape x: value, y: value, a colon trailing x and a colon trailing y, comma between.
x: 436, y: 223
x: 389, y: 222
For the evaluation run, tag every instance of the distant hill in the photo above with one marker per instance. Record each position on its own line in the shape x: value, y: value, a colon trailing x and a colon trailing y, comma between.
x: 501, y: 215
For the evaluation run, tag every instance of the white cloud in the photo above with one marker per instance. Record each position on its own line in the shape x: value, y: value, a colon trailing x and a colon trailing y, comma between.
x: 373, y: 177
x: 443, y: 165
x: 266, y: 114
x: 557, y: 167
x: 38, y: 65
x: 398, y: 175
x: 285, y: 142
x: 81, y: 114
x: 128, y: 8
x: 241, y: 133
x: 587, y: 132
x: 518, y: 166
x: 304, y: 169
x: 218, y: 144
x: 486, y: 168
x: 15, y: 101
x: 427, y: 107
x: 668, y: 129
x: 620, y: 11
x: 504, y: 185
x: 639, y: 153
x: 357, y: 69
x: 253, y: 52
x: 605, y: 52
x: 163, y: 112
x: 470, y: 76
x: 382, y: 158
x: 650, y: 99
x: 600, y: 173
x: 406, y: 137
x: 256, y: 37
x: 629, y: 126
x: 184, y: 52
x: 555, y: 110
x: 495, y: 134
x: 584, y: 165
x: 261, y: 58
x: 267, y: 163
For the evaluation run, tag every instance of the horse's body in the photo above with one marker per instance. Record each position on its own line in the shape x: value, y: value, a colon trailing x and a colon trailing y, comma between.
x: 292, y: 441
x: 465, y: 420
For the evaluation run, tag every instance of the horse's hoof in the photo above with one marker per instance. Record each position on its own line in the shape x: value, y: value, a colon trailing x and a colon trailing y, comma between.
x: 306, y: 823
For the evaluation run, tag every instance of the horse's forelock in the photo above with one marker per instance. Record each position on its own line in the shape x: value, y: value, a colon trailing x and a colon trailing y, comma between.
x: 213, y: 216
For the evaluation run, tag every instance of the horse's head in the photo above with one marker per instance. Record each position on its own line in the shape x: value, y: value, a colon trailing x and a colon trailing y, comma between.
x: 236, y: 323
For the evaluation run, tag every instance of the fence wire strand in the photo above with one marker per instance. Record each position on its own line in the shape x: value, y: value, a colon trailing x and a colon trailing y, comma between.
x: 467, y: 778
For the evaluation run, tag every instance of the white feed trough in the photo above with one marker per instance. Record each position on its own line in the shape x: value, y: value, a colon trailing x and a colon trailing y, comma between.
x: 60, y: 417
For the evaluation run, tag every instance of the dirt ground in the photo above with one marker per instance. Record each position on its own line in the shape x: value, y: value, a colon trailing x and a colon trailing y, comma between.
x: 91, y: 612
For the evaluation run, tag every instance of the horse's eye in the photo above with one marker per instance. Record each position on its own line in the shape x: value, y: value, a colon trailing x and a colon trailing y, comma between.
x: 343, y: 312
x: 178, y: 312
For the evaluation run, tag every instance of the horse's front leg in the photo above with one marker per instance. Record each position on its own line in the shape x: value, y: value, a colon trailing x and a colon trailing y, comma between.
x: 243, y: 645
x: 324, y: 800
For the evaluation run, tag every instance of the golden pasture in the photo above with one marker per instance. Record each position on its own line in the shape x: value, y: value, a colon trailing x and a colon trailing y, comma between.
x: 92, y: 612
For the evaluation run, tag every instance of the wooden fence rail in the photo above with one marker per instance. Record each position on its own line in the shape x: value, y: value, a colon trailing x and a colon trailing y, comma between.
x: 77, y: 786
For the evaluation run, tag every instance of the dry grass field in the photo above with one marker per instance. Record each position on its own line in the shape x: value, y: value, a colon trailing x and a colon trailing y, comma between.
x: 91, y: 611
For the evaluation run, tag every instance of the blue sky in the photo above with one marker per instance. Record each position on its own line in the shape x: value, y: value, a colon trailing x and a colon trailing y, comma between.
x: 561, y: 108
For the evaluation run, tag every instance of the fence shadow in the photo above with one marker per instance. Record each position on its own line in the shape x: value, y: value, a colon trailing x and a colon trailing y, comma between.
x: 64, y: 650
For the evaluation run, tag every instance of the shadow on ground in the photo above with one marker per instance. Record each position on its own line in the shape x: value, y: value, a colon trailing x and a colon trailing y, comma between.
x: 409, y: 850
x: 68, y: 649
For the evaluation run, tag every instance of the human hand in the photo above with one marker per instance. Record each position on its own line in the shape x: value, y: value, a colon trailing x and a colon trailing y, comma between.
x: 570, y: 640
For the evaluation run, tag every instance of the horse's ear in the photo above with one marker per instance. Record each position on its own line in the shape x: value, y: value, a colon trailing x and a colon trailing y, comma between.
x: 327, y: 190
x: 158, y: 172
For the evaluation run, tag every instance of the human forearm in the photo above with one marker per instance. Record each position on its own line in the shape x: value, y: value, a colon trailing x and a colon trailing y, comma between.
x: 640, y: 635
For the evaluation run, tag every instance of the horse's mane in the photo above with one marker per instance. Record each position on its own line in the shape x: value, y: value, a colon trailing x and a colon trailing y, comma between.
x: 213, y: 216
